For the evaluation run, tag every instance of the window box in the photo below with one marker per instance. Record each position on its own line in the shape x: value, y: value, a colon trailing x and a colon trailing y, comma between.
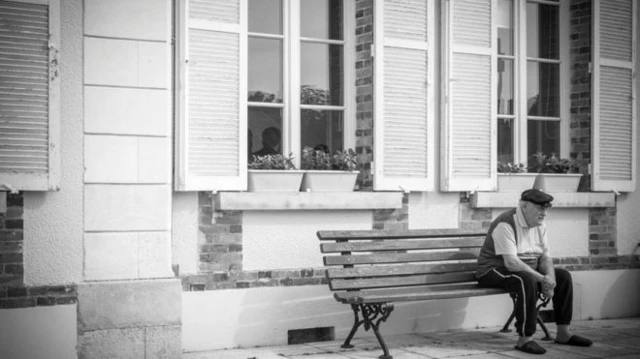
x: 558, y: 182
x: 515, y: 182
x: 274, y: 180
x: 329, y: 181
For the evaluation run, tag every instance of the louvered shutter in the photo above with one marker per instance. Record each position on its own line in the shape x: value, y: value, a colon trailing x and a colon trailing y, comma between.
x: 212, y: 110
x: 468, y: 130
x: 614, y: 132
x: 29, y: 95
x: 404, y: 110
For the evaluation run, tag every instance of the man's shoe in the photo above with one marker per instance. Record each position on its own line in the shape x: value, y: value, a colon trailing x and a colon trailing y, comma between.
x: 577, y: 341
x: 531, y: 347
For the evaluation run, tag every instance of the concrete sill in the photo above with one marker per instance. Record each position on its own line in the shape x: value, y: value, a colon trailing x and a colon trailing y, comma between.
x: 561, y: 199
x: 273, y: 201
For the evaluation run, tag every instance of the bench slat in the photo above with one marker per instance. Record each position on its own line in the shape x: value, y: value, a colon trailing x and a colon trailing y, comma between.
x: 380, y: 258
x: 366, y: 283
x: 393, y: 234
x: 392, y: 270
x: 415, y: 293
x: 401, y: 245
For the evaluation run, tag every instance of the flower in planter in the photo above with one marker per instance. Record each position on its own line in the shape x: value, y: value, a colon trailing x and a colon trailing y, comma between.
x: 541, y: 163
x: 316, y: 159
x: 510, y: 167
x: 272, y: 162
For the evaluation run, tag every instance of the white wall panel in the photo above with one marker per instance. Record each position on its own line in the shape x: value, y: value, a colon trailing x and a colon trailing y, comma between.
x: 140, y: 19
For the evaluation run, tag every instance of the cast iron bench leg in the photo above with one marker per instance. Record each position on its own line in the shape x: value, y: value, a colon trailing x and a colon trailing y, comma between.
x: 545, y: 301
x: 372, y: 316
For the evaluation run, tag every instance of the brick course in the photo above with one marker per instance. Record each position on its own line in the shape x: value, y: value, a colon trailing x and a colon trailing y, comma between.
x: 12, y: 242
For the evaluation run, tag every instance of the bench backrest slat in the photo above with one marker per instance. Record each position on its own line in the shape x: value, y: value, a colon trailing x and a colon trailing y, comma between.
x: 391, y: 257
x: 393, y: 270
x: 414, y: 233
x: 415, y: 280
x: 359, y: 246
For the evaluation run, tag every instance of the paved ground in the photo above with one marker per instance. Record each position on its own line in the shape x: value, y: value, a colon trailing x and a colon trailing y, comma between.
x: 615, y: 338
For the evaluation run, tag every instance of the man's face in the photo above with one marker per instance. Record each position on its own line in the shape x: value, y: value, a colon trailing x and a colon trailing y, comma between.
x: 534, y: 214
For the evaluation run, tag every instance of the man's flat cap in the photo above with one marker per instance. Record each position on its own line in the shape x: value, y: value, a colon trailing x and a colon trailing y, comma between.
x: 537, y: 196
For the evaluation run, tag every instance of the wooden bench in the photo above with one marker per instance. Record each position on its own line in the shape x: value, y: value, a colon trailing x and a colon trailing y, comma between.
x: 371, y: 270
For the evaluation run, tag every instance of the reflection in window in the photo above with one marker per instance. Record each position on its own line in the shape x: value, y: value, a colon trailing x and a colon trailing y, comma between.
x: 322, y: 78
x: 543, y: 136
x: 265, y: 16
x: 543, y: 89
x: 321, y: 19
x: 505, y: 140
x: 265, y: 131
x: 265, y: 70
x: 322, y: 129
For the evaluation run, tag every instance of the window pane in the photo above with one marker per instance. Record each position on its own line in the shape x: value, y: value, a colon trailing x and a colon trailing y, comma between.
x: 543, y: 39
x: 505, y: 87
x: 322, y: 74
x: 265, y: 70
x: 505, y: 27
x: 543, y: 89
x: 265, y: 16
x: 322, y: 128
x: 265, y: 131
x: 543, y: 136
x: 505, y: 140
x: 321, y: 19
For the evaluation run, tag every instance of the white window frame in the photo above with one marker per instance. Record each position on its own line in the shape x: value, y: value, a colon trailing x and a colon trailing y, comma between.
x: 291, y: 106
x: 49, y: 181
x: 521, y: 119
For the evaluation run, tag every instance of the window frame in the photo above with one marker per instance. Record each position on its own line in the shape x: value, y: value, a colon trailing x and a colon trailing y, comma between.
x: 291, y: 106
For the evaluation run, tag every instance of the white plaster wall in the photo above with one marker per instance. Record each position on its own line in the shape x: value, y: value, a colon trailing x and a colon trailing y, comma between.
x: 434, y: 210
x: 262, y: 316
x: 287, y: 239
x: 40, y: 332
x: 53, y: 220
x: 184, y: 232
x: 568, y: 231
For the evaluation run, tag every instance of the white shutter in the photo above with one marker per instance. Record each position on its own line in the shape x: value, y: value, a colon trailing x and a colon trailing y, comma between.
x: 404, y: 101
x: 614, y: 131
x: 212, y: 108
x: 469, y: 107
x: 29, y: 95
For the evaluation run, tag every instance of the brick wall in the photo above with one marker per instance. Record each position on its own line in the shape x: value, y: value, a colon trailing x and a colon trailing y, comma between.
x: 364, y: 92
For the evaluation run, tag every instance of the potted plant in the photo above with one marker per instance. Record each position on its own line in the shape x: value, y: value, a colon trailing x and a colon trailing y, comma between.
x: 555, y: 173
x: 514, y: 177
x: 325, y: 172
x: 273, y: 173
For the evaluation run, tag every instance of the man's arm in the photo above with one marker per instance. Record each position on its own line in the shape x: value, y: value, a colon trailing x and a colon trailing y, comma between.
x: 515, y: 264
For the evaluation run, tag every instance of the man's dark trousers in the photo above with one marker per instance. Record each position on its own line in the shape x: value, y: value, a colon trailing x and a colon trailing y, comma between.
x: 526, y: 289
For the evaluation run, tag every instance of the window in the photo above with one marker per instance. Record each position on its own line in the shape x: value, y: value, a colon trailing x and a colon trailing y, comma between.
x: 297, y: 76
x: 29, y: 115
x: 531, y: 96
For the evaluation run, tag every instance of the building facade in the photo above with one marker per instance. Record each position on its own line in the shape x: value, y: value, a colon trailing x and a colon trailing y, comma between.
x: 126, y: 225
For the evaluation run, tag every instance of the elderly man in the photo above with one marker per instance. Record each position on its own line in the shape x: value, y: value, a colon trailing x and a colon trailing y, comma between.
x: 515, y: 256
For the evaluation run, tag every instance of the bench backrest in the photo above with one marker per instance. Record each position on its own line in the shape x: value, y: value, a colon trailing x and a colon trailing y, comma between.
x: 375, y: 259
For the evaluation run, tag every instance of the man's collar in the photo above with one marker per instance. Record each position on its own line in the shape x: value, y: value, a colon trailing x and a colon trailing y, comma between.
x: 522, y: 222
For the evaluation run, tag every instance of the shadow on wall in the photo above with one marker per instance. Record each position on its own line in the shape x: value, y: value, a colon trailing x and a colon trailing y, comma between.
x: 622, y: 298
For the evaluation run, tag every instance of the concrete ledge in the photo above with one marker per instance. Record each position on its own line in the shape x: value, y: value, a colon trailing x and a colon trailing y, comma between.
x: 560, y: 199
x: 119, y: 304
x: 143, y: 342
x: 306, y: 200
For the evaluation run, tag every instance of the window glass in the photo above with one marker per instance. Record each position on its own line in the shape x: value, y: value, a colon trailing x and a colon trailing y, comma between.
x: 543, y: 89
x: 321, y: 19
x: 543, y: 40
x: 265, y: 70
x: 265, y: 131
x: 505, y: 27
x: 322, y: 130
x: 321, y: 72
x: 505, y: 140
x: 265, y: 16
x: 505, y: 87
x: 543, y: 136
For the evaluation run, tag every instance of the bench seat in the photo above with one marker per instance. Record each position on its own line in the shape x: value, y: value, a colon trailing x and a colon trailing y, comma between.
x: 415, y: 293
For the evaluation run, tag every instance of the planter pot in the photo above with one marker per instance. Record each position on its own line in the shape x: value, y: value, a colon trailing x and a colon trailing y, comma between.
x: 558, y: 182
x: 329, y: 181
x: 515, y: 182
x: 274, y: 180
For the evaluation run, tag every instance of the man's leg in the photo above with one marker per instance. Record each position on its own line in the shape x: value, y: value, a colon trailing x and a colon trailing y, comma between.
x: 563, y: 309
x: 525, y: 287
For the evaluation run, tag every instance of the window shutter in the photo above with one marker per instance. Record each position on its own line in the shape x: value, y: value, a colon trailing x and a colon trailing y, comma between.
x: 212, y: 108
x: 403, y: 84
x: 29, y: 95
x: 614, y: 108
x: 469, y: 106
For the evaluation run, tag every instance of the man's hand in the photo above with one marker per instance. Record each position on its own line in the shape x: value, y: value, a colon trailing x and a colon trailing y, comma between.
x: 548, y: 284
